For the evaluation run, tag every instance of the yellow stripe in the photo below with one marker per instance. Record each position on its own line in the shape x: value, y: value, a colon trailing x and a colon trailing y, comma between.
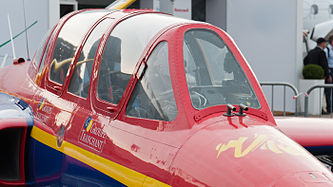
x: 153, y: 182
x: 116, y: 171
x: 121, y: 4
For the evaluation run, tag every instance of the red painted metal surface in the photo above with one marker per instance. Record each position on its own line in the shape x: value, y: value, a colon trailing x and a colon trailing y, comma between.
x: 199, y: 147
x: 307, y: 131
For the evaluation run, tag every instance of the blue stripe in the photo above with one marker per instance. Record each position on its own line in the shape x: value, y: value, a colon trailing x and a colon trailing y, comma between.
x: 48, y: 166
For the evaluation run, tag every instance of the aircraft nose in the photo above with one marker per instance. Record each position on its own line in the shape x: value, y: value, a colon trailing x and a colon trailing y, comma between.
x: 253, y: 156
x: 307, y: 179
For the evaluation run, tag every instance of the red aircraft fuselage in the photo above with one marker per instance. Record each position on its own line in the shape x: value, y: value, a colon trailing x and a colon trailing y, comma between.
x: 139, y: 98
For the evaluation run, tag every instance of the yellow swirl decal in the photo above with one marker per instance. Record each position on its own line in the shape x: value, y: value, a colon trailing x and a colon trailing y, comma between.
x: 263, y: 142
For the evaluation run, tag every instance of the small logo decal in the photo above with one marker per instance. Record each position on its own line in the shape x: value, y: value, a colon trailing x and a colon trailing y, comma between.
x: 41, y: 104
x: 88, y: 124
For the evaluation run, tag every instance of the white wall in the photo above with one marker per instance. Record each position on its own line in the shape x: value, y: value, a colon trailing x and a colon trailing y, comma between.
x: 183, y: 8
x: 35, y: 10
x: 148, y: 4
x: 216, y: 13
x: 159, y: 5
x: 269, y: 34
x: 54, y: 12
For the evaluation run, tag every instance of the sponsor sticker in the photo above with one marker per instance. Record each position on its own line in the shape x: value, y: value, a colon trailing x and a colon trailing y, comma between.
x: 92, y: 135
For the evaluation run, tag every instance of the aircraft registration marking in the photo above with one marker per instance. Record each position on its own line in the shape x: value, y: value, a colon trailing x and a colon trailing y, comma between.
x: 259, y: 141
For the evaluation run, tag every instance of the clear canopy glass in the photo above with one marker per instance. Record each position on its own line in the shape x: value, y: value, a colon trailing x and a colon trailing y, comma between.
x: 214, y: 76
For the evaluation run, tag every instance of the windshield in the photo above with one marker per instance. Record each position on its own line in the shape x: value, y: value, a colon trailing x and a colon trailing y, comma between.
x: 214, y: 76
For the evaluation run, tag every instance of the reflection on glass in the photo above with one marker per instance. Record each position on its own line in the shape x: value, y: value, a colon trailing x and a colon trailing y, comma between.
x: 153, y: 96
x: 39, y: 51
x: 43, y: 58
x: 123, y: 50
x: 68, y: 40
x: 40, y: 56
x: 112, y: 81
x: 80, y: 79
x: 213, y: 74
x: 135, y: 33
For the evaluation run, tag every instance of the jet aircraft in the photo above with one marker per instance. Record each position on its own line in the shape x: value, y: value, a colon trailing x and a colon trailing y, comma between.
x: 142, y: 98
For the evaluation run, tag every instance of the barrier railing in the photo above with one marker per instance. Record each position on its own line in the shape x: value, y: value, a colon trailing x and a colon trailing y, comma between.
x: 284, y: 84
x: 306, y: 97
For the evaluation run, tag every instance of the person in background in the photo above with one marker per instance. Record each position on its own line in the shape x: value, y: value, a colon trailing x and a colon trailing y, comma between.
x: 318, y: 56
x: 328, y: 91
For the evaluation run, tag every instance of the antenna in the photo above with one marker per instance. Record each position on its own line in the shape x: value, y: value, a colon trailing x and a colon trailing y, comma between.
x: 4, y: 60
x: 11, y: 36
x: 26, y: 31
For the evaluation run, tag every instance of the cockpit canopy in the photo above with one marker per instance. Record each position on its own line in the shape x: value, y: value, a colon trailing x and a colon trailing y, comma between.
x: 99, y: 58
